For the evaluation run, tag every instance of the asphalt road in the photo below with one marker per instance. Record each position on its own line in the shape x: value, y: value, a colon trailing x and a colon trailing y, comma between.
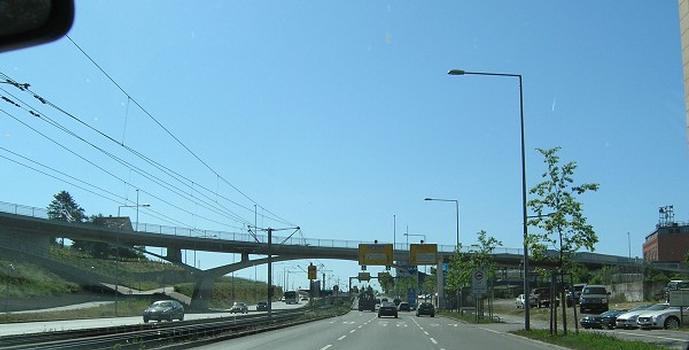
x: 363, y: 330
x: 50, y: 326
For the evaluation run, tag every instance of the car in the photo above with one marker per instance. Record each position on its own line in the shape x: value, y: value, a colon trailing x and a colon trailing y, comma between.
x: 262, y: 306
x: 164, y: 310
x: 627, y: 320
x: 304, y: 298
x: 387, y: 309
x: 594, y: 299
x: 606, y: 319
x: 239, y: 308
x: 397, y: 301
x: 425, y: 309
x: 384, y: 300
x: 541, y: 296
x: 668, y: 318
x: 403, y: 306
x: 520, y: 301
x: 377, y: 301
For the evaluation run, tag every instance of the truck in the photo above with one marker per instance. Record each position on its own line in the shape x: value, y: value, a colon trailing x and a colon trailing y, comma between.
x: 367, y: 301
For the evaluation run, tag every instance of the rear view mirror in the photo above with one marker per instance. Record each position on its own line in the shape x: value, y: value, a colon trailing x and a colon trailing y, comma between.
x: 25, y: 23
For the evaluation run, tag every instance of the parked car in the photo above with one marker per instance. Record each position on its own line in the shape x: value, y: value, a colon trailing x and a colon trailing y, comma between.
x: 604, y: 320
x: 574, y: 295
x: 262, y: 306
x: 239, y: 308
x: 425, y: 309
x: 668, y: 318
x: 627, y: 320
x: 520, y: 301
x: 594, y: 299
x: 541, y: 296
x: 164, y: 310
x: 403, y: 306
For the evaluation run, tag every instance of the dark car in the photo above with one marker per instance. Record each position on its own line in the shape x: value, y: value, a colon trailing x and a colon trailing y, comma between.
x: 541, y: 296
x: 164, y: 310
x: 387, y: 309
x: 397, y: 301
x: 425, y: 309
x: 403, y: 306
x: 591, y: 321
x: 609, y: 318
x: 262, y: 306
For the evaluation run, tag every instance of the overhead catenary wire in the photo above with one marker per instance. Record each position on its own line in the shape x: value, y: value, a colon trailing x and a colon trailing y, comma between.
x: 125, y: 163
x: 168, y: 131
x: 109, y: 172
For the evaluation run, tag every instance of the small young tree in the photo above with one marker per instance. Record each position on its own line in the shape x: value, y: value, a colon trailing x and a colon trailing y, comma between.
x: 560, y: 216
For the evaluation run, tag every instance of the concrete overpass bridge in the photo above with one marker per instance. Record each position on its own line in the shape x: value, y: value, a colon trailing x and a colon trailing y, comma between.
x: 17, y: 223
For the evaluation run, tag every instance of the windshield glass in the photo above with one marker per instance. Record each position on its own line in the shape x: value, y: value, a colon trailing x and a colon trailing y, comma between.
x: 594, y: 290
x: 658, y: 307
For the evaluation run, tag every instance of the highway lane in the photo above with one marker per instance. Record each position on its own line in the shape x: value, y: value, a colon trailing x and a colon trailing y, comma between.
x: 364, y: 330
x: 51, y: 326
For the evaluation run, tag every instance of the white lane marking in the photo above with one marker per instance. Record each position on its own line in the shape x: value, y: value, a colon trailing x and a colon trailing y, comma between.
x: 342, y: 337
x: 326, y: 347
x: 359, y: 326
x: 352, y: 331
x: 490, y: 330
x: 434, y: 342
x: 424, y: 332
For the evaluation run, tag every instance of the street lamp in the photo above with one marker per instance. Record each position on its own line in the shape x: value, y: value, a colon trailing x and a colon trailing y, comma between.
x: 523, y: 159
x: 457, y: 211
x: 137, y: 206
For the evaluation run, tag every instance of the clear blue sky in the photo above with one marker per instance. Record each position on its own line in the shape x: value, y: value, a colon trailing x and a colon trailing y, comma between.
x: 337, y: 115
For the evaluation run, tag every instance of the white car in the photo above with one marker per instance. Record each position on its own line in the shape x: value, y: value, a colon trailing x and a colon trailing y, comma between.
x: 628, y: 319
x: 520, y: 301
x: 668, y: 318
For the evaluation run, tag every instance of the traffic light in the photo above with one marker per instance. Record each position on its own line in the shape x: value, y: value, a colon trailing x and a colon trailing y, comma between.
x: 312, y: 272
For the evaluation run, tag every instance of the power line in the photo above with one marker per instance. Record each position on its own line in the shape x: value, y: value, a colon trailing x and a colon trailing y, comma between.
x: 109, y: 172
x: 170, y: 172
x: 129, y: 165
x: 174, y: 137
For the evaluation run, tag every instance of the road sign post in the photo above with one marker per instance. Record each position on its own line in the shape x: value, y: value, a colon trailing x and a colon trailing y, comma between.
x: 479, y: 287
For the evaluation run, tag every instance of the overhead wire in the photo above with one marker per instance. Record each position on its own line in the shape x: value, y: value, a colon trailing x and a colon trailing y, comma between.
x: 170, y: 133
x: 125, y: 163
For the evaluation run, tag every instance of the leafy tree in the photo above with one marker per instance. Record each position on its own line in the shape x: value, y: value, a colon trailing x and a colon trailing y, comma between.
x: 462, y: 265
x: 559, y: 215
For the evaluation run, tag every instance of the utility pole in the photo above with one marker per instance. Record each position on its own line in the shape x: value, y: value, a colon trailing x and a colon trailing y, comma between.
x: 255, y: 223
x: 394, y: 233
x: 629, y: 243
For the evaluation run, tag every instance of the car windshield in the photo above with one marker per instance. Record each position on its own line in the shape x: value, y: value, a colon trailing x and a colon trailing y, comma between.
x: 318, y: 160
x: 658, y: 307
x: 594, y: 290
x: 641, y: 307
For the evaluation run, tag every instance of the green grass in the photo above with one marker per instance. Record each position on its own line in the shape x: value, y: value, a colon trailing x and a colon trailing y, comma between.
x: 224, y: 294
x: 588, y: 341
x: 467, y: 317
x: 29, y: 280
x: 124, y: 307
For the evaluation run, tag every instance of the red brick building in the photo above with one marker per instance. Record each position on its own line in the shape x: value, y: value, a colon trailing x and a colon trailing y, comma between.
x: 668, y: 243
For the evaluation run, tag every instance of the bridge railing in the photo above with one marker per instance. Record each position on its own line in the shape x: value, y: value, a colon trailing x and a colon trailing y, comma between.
x: 143, y: 227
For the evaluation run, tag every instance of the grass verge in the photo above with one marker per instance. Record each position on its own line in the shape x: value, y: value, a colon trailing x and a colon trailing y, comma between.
x: 587, y: 341
x: 124, y: 308
x: 467, y: 317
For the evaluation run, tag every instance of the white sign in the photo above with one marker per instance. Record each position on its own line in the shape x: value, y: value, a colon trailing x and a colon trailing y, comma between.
x: 479, y: 283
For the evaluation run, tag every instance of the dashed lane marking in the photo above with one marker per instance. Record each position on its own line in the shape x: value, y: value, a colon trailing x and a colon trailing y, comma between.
x: 342, y: 337
x: 434, y: 342
x: 352, y: 331
x: 359, y: 326
x: 424, y: 332
x: 326, y: 347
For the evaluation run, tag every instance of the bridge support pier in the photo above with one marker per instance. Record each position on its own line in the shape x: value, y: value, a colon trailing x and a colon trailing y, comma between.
x: 203, y: 291
x: 173, y: 254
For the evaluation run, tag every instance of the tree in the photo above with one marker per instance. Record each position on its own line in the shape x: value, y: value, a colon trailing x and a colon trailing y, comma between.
x: 559, y: 216
x: 462, y: 265
x: 64, y: 208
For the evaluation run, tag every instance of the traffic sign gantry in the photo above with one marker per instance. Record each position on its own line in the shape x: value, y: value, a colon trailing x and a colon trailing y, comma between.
x: 423, y: 254
x: 375, y: 254
x: 364, y: 276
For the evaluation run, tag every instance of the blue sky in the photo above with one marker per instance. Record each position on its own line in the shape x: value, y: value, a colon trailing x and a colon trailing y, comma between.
x: 337, y: 115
